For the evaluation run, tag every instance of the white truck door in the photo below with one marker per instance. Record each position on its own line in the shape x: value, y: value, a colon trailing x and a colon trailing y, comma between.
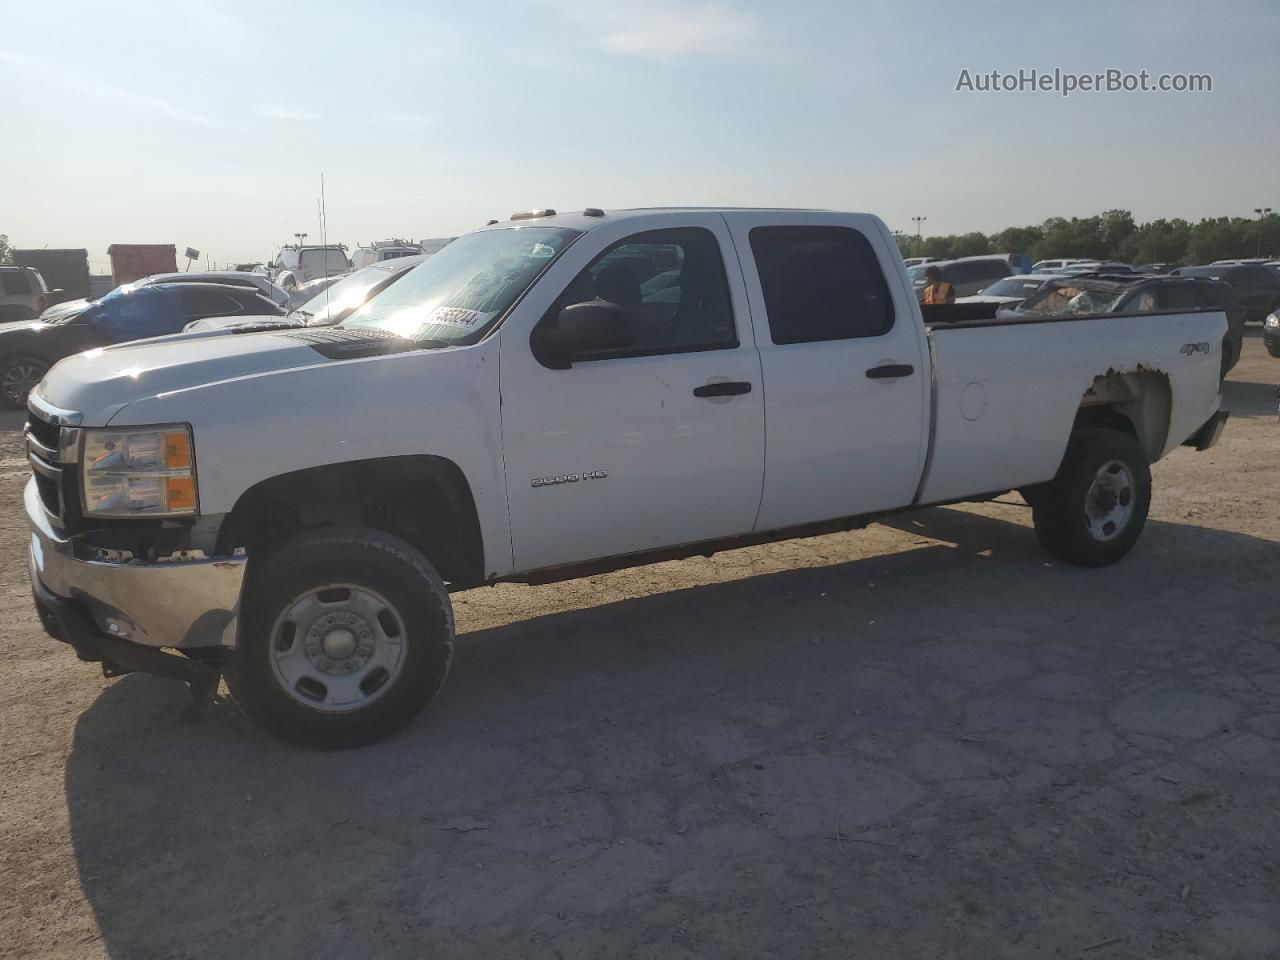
x: 656, y: 441
x: 845, y: 363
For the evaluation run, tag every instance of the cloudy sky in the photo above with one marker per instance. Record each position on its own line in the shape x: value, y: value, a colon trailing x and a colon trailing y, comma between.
x: 207, y: 124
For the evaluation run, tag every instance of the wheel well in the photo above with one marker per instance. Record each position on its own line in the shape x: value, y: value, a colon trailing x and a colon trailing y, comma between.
x: 1138, y: 403
x: 424, y: 500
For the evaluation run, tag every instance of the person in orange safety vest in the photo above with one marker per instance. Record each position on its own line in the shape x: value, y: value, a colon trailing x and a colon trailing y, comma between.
x: 935, y: 290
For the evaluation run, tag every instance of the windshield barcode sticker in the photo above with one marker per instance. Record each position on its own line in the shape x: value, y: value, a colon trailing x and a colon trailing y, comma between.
x: 457, y: 316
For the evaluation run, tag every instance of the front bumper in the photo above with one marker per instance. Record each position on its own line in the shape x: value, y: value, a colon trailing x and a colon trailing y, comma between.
x: 182, y: 603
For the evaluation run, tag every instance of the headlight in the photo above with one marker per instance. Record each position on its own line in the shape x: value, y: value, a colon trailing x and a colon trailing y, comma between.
x: 149, y: 471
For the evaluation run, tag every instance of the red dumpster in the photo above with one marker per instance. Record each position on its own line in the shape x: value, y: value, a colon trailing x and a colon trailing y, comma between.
x: 133, y: 261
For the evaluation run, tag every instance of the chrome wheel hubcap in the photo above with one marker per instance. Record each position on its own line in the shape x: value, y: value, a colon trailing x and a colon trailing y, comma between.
x: 1109, y: 503
x: 338, y: 647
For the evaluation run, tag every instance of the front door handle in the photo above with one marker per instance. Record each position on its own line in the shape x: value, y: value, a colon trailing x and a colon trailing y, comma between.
x: 891, y: 371
x: 723, y: 388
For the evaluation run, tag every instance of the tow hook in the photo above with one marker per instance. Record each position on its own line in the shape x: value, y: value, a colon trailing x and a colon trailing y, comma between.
x: 74, y: 626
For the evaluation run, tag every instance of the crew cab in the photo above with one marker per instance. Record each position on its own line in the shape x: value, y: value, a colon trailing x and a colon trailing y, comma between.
x: 552, y: 396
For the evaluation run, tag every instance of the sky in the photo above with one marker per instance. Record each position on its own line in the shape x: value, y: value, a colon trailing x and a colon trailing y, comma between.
x: 207, y: 124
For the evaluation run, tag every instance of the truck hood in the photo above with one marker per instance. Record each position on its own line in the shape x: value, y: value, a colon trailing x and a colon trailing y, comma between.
x: 99, y: 383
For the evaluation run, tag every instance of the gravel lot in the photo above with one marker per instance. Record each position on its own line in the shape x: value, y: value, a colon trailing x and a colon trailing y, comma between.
x: 918, y: 740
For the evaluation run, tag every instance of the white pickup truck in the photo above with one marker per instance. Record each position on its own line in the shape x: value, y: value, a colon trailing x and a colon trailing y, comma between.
x: 551, y: 396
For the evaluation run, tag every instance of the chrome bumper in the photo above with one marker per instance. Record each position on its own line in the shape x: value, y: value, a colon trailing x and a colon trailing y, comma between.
x: 169, y: 603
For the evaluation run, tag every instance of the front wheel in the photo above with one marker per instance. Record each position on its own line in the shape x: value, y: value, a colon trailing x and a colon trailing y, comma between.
x: 1093, y: 511
x: 18, y: 377
x: 346, y: 636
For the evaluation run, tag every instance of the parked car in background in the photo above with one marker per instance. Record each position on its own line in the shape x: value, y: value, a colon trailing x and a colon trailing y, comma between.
x: 1094, y: 266
x: 328, y: 304
x: 1020, y: 262
x: 65, y: 271
x: 28, y: 350
x: 435, y: 244
x: 1050, y: 266
x: 240, y: 278
x: 253, y: 281
x: 308, y: 290
x: 909, y: 262
x: 968, y: 274
x: 1101, y: 293
x: 252, y: 266
x: 1271, y: 333
x: 1011, y: 291
x: 1157, y: 267
x: 381, y: 250
x: 1255, y: 285
x: 296, y: 265
x: 23, y: 294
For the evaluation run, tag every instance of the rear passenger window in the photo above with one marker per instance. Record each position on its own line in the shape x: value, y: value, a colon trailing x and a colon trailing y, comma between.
x: 209, y: 303
x: 1213, y: 296
x: 820, y: 283
x: 14, y: 282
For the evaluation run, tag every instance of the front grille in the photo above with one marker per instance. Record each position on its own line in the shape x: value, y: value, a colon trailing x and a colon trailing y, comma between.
x: 45, y: 459
x: 46, y: 433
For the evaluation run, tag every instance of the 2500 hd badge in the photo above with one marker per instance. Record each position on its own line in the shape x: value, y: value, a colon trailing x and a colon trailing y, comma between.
x: 568, y: 478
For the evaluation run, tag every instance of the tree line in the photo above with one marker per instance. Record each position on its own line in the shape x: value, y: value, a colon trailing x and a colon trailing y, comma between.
x: 1113, y: 235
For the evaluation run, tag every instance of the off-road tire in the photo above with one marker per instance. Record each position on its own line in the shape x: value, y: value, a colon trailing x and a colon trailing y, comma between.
x: 365, y: 558
x: 1060, y: 506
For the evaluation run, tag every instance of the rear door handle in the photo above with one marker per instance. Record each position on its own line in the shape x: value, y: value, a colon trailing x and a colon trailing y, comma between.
x: 890, y: 371
x: 724, y: 388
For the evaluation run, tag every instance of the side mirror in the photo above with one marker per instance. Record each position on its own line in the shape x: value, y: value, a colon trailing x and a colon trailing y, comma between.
x: 581, y: 329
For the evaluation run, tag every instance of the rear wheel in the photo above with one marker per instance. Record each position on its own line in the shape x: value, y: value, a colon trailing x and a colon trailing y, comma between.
x: 1093, y: 511
x: 347, y: 635
x: 18, y: 377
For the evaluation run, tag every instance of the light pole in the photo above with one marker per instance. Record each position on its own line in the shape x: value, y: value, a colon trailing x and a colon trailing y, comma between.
x: 301, y: 237
x: 918, y: 221
x: 1262, y: 213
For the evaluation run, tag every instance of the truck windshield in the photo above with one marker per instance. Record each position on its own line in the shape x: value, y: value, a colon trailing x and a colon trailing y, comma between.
x: 457, y: 293
x: 330, y: 304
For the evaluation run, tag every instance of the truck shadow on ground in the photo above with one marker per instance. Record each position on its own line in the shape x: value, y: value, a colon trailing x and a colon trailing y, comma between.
x: 1246, y: 399
x: 869, y: 753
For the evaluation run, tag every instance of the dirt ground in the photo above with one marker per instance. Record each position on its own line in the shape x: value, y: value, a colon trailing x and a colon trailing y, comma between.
x: 918, y: 740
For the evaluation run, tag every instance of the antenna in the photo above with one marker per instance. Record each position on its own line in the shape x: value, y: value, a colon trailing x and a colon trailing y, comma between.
x: 324, y: 242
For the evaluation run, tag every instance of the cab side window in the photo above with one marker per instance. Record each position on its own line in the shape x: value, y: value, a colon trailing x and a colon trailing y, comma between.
x: 1178, y: 296
x: 820, y: 283
x: 208, y: 303
x: 672, y: 289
